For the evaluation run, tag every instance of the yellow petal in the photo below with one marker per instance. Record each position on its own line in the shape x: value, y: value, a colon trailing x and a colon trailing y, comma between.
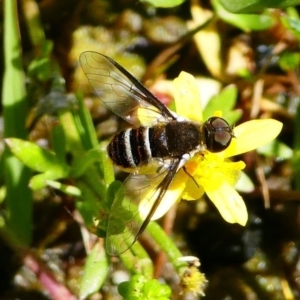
x: 232, y: 171
x: 251, y: 135
x: 147, y: 117
x: 229, y: 203
x: 187, y: 97
x: 192, y: 190
x: 208, y: 40
x: 171, y: 196
x: 212, y: 170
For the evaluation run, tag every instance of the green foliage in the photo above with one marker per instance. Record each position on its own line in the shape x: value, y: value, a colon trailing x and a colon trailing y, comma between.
x: 15, y: 109
x: 289, y: 61
x: 89, y: 175
x: 255, y: 6
x: 139, y: 288
x: 41, y: 68
x: 244, y: 21
x: 234, y: 6
x: 39, y: 160
x: 164, y: 3
x: 95, y: 272
x: 119, y: 214
x: 292, y: 21
x: 224, y: 101
x: 114, y: 193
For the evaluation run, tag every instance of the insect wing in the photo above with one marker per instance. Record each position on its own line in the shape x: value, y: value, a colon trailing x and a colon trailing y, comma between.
x: 125, y: 222
x: 121, y: 92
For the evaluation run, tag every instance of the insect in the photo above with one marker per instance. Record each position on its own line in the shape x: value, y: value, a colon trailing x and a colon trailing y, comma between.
x: 152, y: 154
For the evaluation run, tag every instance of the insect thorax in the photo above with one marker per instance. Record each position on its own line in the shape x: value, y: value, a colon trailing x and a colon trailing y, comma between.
x: 133, y: 147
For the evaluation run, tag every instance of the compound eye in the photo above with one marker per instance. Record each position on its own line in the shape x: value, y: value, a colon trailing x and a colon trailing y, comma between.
x: 218, y: 134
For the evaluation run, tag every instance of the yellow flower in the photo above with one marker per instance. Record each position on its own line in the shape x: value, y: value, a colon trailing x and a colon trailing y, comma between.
x: 192, y: 281
x: 213, y: 173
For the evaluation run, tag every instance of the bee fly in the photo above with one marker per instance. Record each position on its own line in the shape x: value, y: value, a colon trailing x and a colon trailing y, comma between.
x: 165, y: 144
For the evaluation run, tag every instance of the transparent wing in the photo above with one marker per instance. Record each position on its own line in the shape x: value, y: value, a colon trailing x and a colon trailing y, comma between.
x: 121, y: 92
x: 125, y: 222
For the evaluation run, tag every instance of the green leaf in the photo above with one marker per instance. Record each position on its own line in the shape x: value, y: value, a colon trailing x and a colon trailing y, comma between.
x: 292, y: 23
x: 41, y: 68
x: 15, y: 109
x: 107, y: 166
x: 37, y: 158
x: 95, y: 272
x: 81, y: 164
x: 39, y: 181
x: 164, y: 3
x: 132, y: 289
x: 58, y: 142
x: 224, y: 101
x: 289, y: 61
x: 141, y: 288
x: 166, y: 243
x: 67, y: 189
x: 245, y: 22
x: 233, y: 116
x: 91, y: 210
x: 120, y: 212
x: 114, y: 193
x: 256, y: 6
x: 84, y: 124
x: 153, y: 289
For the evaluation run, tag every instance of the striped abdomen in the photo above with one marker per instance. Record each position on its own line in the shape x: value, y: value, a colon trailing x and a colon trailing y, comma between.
x: 130, y: 148
x: 133, y: 147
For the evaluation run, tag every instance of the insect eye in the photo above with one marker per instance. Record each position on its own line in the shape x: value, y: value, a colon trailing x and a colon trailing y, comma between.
x: 218, y: 134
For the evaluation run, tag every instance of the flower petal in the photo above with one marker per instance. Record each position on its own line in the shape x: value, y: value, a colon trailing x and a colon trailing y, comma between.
x: 171, y: 196
x: 192, y: 190
x: 229, y: 203
x: 212, y: 170
x: 187, y: 97
x: 147, y: 117
x: 251, y: 135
